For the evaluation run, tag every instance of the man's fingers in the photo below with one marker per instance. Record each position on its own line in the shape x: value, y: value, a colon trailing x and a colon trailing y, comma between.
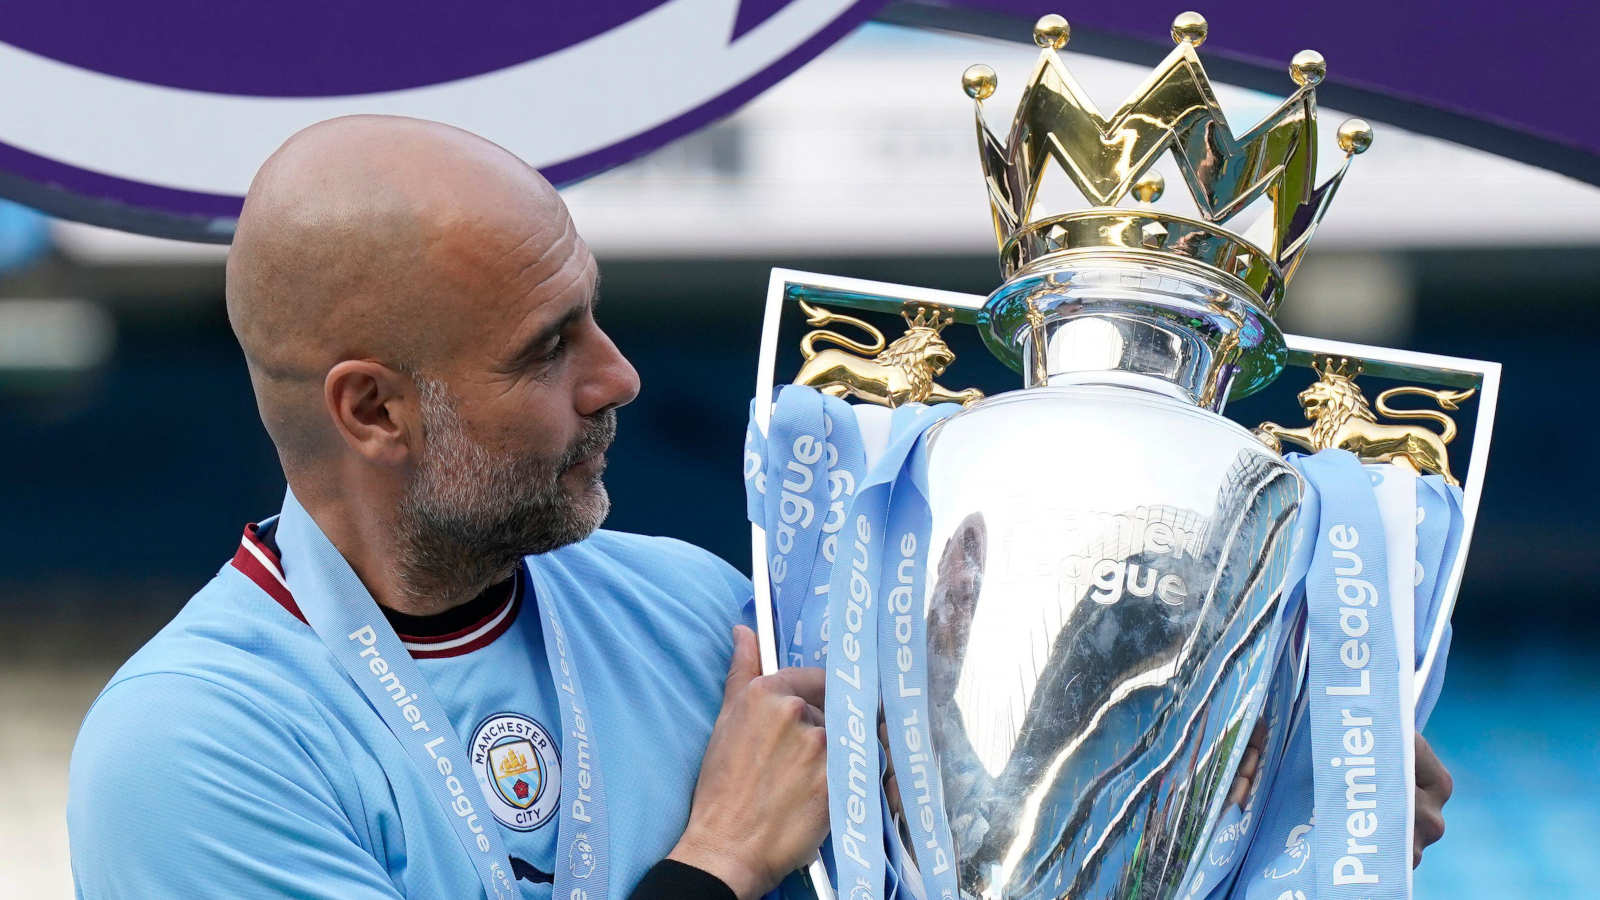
x: 1434, y: 786
x: 746, y: 663
x: 1430, y: 823
x: 805, y: 682
x: 1432, y: 776
x: 1239, y: 791
x: 1251, y: 761
x: 1258, y: 735
x: 1429, y: 826
x: 814, y: 716
x: 1246, y: 776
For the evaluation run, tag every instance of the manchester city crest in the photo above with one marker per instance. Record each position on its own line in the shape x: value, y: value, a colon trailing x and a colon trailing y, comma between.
x: 519, y: 767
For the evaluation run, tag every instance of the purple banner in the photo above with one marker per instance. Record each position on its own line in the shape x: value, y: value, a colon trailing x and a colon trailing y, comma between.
x: 1498, y: 76
x: 151, y: 116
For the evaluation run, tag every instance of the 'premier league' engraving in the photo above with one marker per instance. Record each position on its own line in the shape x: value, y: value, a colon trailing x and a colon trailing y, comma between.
x: 1107, y: 556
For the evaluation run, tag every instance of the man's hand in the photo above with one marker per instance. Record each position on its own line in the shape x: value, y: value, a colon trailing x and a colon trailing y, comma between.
x: 1249, y: 765
x: 1434, y: 786
x: 761, y: 805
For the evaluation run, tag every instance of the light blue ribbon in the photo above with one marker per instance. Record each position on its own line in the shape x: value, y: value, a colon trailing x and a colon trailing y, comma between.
x: 1294, y: 855
x: 1362, y: 841
x: 343, y: 614
x: 813, y: 460
x: 847, y: 466
x: 1438, y: 503
x: 853, y: 690
x: 795, y: 504
x: 903, y: 670
x: 584, y: 870
x: 807, y: 487
x: 755, y: 470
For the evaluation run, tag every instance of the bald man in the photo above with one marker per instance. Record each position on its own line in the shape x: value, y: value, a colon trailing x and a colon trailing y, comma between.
x: 430, y: 676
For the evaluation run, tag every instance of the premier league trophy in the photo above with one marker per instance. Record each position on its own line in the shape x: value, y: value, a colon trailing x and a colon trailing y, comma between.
x: 1074, y: 600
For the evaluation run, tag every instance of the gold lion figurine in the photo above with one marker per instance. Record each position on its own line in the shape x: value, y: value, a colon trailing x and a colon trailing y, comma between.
x: 1340, y: 417
x: 903, y: 373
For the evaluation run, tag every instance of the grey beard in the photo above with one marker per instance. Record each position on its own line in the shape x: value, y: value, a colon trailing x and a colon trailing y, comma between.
x: 469, y: 516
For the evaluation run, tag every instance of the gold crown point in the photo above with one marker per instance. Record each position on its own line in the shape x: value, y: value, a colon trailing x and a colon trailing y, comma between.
x: 1051, y: 32
x: 979, y: 81
x: 917, y: 316
x: 1149, y: 187
x: 1340, y: 368
x: 1308, y: 68
x: 1355, y: 136
x: 1191, y: 28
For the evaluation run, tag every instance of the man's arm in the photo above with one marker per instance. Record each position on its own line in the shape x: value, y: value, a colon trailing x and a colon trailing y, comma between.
x: 182, y: 788
x: 673, y: 880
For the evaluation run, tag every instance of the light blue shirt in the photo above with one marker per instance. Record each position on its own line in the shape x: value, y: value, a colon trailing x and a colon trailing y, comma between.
x: 233, y: 757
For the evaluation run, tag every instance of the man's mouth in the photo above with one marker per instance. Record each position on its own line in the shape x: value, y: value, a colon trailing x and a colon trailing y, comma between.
x: 595, y: 443
x: 593, y: 460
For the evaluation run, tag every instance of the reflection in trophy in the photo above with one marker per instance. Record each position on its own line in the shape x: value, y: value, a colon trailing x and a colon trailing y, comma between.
x: 1093, y: 682
x: 1105, y: 582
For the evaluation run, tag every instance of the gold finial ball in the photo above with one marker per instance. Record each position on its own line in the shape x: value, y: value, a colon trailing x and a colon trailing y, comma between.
x: 1051, y: 32
x: 1355, y: 136
x: 979, y: 81
x: 1189, y: 27
x: 1308, y: 68
x: 1149, y: 187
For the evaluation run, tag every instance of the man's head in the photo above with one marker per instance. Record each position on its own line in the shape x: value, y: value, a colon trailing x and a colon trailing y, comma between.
x: 416, y: 310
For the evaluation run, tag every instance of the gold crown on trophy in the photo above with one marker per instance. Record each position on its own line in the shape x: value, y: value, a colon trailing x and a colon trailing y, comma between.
x: 931, y: 317
x: 1108, y: 158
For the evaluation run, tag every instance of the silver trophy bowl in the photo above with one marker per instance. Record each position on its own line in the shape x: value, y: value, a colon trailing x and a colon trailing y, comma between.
x: 1105, y: 581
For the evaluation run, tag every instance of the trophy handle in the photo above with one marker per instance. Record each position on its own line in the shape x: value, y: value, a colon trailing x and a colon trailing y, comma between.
x: 760, y: 580
x: 1448, y: 371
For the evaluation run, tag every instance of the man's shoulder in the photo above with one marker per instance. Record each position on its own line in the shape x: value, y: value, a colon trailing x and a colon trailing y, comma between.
x: 197, y: 774
x: 625, y: 545
x: 660, y: 561
x: 233, y: 691
x: 190, y: 707
x: 656, y: 579
x: 230, y: 639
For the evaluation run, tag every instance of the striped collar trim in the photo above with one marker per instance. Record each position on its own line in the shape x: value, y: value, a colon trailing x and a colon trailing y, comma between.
x: 258, y: 560
x: 478, y: 634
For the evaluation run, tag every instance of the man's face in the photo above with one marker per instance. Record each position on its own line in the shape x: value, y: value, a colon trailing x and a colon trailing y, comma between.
x: 515, y: 424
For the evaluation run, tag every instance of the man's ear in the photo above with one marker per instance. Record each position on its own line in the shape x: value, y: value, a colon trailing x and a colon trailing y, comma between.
x: 374, y: 410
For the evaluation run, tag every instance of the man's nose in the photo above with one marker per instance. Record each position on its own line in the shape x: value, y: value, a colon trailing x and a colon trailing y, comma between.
x: 614, y: 383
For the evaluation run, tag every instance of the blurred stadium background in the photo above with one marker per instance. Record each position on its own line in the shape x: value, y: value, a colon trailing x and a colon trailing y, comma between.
x: 132, y: 453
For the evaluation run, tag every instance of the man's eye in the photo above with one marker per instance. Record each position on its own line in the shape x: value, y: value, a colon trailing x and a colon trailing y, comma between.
x: 556, y: 350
